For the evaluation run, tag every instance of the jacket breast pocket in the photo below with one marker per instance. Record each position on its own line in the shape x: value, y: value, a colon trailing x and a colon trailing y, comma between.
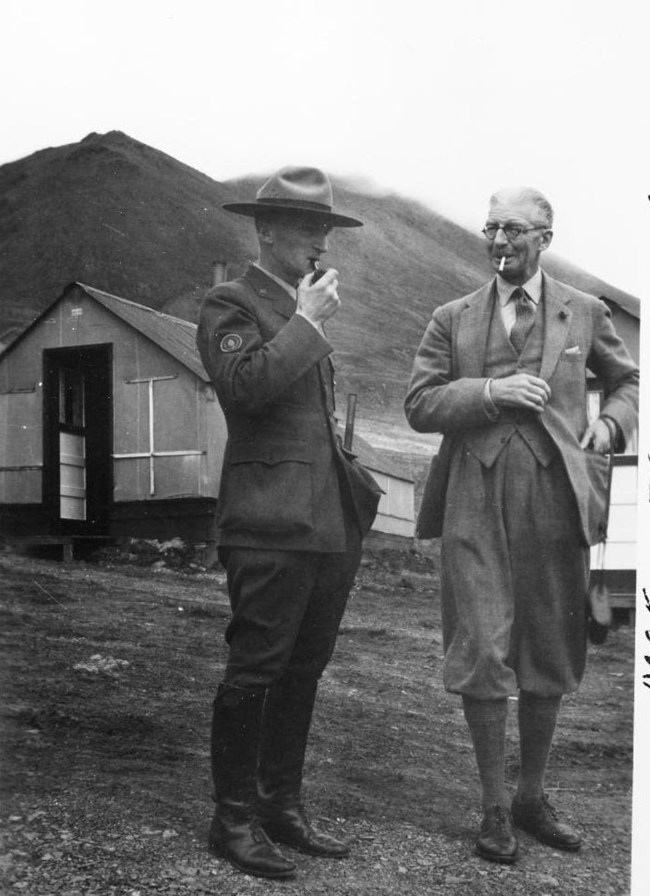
x: 573, y: 355
x: 267, y: 488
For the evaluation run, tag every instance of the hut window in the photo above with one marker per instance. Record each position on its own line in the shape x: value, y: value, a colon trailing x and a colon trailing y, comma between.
x: 71, y: 397
x: 72, y: 444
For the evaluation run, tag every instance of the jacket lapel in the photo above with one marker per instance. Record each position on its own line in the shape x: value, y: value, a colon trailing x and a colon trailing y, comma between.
x: 473, y: 331
x: 272, y: 292
x: 557, y: 319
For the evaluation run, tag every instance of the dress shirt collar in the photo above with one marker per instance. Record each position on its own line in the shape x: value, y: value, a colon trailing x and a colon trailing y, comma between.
x: 283, y: 283
x: 533, y: 288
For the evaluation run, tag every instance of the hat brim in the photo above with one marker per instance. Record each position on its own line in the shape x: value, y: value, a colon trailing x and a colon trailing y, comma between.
x: 251, y: 209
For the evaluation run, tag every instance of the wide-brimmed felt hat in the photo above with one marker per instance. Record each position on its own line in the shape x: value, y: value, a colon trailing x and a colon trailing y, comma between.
x: 304, y: 190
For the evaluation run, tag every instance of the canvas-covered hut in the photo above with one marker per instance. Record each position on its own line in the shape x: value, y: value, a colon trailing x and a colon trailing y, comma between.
x: 110, y: 428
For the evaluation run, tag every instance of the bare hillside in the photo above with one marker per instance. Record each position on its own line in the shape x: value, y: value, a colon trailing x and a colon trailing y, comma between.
x: 124, y: 217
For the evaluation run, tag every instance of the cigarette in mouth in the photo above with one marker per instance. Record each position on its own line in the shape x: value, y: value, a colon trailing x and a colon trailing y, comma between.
x: 502, y: 263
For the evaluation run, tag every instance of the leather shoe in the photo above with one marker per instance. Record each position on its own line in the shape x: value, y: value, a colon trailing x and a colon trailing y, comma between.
x: 246, y: 846
x: 539, y: 819
x: 290, y: 825
x: 496, y: 842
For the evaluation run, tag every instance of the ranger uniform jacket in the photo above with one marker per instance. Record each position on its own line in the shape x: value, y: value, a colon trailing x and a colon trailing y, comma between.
x: 287, y: 483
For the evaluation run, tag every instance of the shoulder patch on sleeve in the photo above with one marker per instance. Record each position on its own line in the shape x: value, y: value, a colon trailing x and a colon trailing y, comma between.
x: 231, y: 343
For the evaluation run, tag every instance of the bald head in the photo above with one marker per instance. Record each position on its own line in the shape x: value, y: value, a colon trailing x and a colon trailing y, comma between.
x: 536, y: 202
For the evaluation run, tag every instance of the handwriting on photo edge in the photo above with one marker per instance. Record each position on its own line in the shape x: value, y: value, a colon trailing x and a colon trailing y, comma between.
x: 646, y: 677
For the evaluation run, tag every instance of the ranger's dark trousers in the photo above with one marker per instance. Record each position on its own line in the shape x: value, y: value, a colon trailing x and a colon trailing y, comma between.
x: 287, y: 607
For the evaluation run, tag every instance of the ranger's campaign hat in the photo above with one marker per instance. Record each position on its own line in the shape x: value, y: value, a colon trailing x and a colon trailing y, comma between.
x: 304, y: 190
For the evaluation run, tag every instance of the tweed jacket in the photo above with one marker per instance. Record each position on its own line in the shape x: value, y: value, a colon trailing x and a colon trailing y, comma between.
x: 286, y: 479
x: 445, y: 393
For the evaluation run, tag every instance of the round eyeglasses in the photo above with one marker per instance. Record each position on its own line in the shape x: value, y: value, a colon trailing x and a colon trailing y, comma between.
x: 512, y: 231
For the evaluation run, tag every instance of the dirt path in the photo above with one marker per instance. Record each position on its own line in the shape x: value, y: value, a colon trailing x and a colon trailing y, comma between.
x: 108, y: 676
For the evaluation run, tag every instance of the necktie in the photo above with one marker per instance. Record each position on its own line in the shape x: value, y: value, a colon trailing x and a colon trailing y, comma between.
x: 525, y: 319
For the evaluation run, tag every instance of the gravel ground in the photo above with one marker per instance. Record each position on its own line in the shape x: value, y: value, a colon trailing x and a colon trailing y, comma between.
x: 108, y: 673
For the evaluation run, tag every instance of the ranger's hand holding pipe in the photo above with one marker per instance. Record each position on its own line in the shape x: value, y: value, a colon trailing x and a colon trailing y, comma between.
x: 320, y: 301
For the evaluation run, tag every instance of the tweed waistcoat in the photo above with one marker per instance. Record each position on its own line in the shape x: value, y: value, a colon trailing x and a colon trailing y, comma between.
x: 502, y: 360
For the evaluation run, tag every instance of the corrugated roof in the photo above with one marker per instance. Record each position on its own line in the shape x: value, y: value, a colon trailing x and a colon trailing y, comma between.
x: 374, y: 458
x: 628, y: 303
x: 173, y: 334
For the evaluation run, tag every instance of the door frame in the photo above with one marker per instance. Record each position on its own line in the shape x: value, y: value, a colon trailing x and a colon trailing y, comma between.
x: 94, y: 363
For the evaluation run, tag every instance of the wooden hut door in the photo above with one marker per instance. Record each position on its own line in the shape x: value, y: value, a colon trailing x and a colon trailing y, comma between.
x: 77, y: 432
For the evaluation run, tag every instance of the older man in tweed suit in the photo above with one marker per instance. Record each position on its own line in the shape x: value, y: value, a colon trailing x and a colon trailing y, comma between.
x: 517, y: 494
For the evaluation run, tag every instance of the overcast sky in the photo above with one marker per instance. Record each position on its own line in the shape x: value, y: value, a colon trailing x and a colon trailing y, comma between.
x: 443, y: 102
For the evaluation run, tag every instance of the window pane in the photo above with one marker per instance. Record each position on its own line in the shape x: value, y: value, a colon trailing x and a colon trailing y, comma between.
x: 71, y: 397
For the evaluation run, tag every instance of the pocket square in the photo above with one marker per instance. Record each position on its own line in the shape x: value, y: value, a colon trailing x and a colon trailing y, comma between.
x: 574, y: 350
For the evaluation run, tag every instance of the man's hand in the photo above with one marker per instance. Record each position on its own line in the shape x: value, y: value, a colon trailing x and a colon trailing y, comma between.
x: 597, y: 437
x: 520, y: 390
x: 319, y: 302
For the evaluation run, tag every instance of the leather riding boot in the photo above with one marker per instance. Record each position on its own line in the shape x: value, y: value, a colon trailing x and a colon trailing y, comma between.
x: 285, y: 728
x: 236, y: 833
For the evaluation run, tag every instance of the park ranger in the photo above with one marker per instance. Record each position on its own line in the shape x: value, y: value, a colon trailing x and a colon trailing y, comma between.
x: 293, y: 508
